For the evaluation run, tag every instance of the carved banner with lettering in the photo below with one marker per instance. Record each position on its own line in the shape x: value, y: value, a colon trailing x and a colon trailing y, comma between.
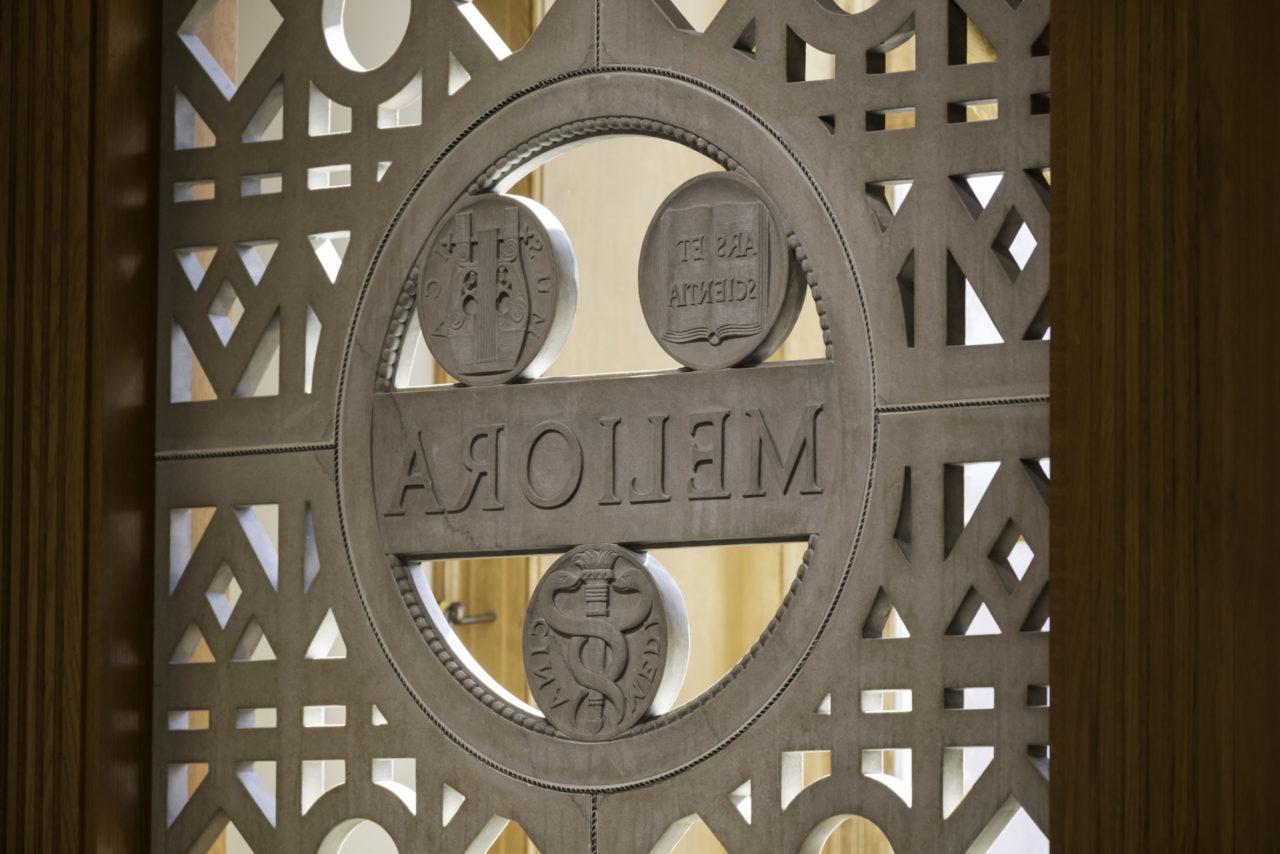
x: 680, y: 458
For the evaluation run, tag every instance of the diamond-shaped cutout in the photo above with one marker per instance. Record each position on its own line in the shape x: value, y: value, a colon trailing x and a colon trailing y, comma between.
x: 223, y: 594
x: 1012, y: 555
x: 225, y: 312
x: 228, y: 62
x: 1014, y: 244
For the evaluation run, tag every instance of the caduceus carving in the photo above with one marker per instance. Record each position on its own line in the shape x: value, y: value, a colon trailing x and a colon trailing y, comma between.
x: 596, y: 639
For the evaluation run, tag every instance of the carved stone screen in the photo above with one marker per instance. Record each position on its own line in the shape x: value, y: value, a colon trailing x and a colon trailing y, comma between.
x: 342, y: 209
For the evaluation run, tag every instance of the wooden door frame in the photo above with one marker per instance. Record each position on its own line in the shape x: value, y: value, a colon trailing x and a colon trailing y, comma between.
x: 78, y: 154
x: 1164, y: 375
x: 1164, y: 381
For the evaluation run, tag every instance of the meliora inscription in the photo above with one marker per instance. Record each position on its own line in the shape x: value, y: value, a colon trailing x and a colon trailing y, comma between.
x: 718, y: 285
x: 606, y: 641
x: 497, y: 287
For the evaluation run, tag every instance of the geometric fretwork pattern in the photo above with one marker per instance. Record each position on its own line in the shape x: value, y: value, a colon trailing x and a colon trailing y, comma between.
x: 928, y: 693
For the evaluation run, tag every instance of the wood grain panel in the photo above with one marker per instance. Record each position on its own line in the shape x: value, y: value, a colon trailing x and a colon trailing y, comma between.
x: 1165, y: 384
x: 78, y: 165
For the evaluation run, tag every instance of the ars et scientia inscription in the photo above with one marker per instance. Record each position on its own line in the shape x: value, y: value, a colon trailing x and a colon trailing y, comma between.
x: 606, y: 641
x: 718, y: 285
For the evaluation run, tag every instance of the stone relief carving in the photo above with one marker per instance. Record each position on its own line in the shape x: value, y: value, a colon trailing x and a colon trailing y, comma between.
x: 497, y: 285
x: 606, y: 641
x: 890, y: 533
x: 718, y: 285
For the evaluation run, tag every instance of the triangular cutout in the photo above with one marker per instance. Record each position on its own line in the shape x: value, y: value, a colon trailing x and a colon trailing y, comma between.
x: 1038, y: 617
x: 187, y: 526
x: 451, y: 801
x: 253, y: 645
x: 261, y: 526
x: 310, y: 554
x: 897, y: 52
x: 963, y: 487
x: 962, y: 767
x: 969, y: 324
x: 267, y: 124
x: 884, y: 621
x: 376, y: 717
x: 824, y: 706
x: 741, y: 800
x: 192, y: 648
x: 327, y: 643
x: 806, y: 63
x: 691, y: 16
x: 190, y: 130
x: 311, y: 349
x: 966, y: 43
x: 188, y: 381
x: 886, y: 198
x: 1040, y: 47
x: 1041, y: 179
x: 330, y: 248
x: 907, y: 293
x: 975, y: 190
x: 1010, y: 829
x: 973, y: 618
x: 459, y: 76
x: 261, y: 377
x: 221, y: 836
x: 326, y: 116
x: 381, y: 170
x: 675, y: 832
x: 745, y: 43
x: 256, y: 256
x: 404, y: 108
x: 828, y: 122
x: 259, y: 780
x: 1038, y: 472
x: 902, y: 530
x: 1038, y: 756
x: 182, y: 782
x: 195, y: 261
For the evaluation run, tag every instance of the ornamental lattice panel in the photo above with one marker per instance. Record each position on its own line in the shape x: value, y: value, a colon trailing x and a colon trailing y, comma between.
x: 304, y: 679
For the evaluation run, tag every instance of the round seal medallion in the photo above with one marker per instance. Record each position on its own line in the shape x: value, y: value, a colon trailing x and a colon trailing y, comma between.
x: 718, y: 285
x: 497, y: 286
x: 606, y: 641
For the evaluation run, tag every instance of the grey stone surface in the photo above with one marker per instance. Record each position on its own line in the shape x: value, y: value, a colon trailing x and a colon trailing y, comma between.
x: 906, y: 406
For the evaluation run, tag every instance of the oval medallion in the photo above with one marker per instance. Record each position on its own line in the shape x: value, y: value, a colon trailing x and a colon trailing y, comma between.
x: 497, y: 287
x: 606, y: 641
x: 718, y: 285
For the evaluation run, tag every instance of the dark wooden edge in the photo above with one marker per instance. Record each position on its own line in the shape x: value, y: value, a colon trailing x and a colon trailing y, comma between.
x: 1165, y: 390
x: 78, y: 164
